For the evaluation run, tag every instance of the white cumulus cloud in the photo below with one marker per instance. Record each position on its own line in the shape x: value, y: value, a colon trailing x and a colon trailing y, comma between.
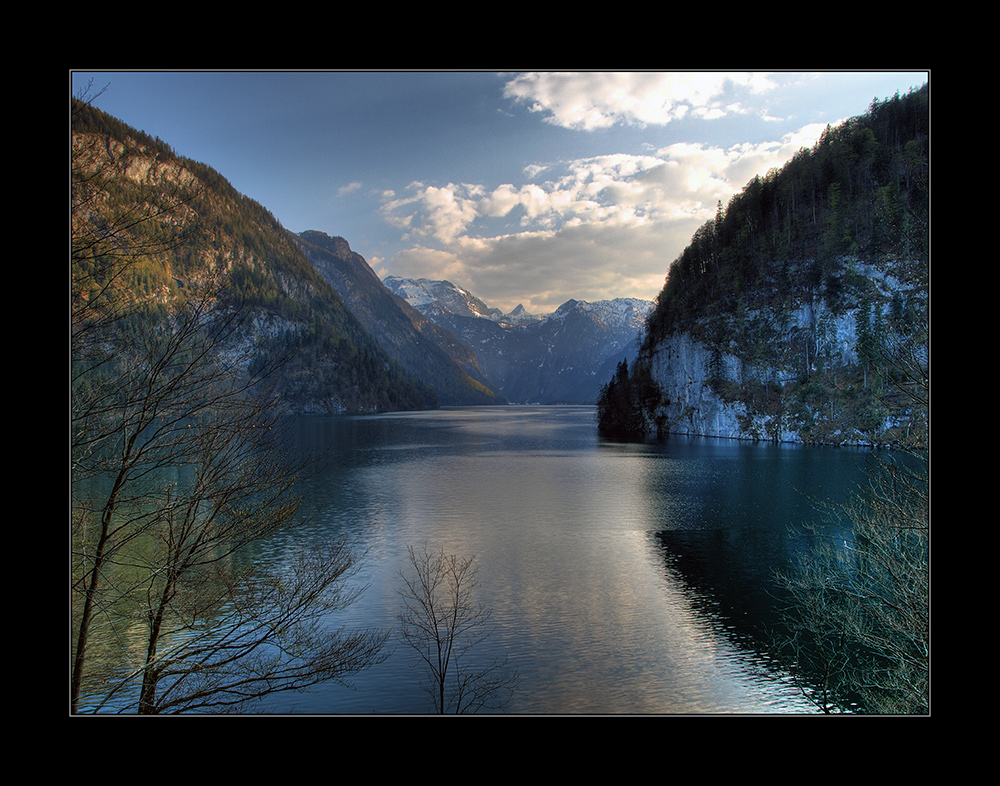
x: 595, y: 227
x: 592, y: 100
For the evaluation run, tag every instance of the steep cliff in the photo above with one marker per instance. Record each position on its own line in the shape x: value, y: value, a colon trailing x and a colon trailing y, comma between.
x: 800, y: 312
x: 833, y: 397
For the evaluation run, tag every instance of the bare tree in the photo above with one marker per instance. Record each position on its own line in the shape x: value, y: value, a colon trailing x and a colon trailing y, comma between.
x: 443, y: 623
x: 178, y: 466
x: 859, y: 611
x: 231, y: 636
x: 860, y: 614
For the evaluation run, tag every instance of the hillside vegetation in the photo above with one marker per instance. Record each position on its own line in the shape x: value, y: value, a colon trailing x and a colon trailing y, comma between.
x: 159, y: 227
x: 806, y: 297
x: 195, y: 325
x: 425, y: 351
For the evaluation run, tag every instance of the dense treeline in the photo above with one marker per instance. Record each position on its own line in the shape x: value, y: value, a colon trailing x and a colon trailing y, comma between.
x: 201, y: 226
x: 843, y: 224
x: 862, y: 190
x: 622, y: 401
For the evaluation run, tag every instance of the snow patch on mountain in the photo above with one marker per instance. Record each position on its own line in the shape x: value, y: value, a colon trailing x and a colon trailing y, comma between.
x: 562, y: 357
x: 431, y: 297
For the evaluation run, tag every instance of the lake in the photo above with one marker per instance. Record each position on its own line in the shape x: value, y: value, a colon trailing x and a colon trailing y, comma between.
x: 623, y: 578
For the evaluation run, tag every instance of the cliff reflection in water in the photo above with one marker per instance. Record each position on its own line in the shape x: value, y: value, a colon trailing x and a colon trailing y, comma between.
x: 624, y: 578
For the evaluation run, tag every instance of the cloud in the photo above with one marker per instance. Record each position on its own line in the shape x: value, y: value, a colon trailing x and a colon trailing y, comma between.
x: 590, y: 228
x: 543, y: 269
x: 439, y: 213
x: 349, y: 188
x: 594, y: 100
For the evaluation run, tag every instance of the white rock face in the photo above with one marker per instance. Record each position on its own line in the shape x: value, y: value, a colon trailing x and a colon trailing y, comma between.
x: 681, y: 366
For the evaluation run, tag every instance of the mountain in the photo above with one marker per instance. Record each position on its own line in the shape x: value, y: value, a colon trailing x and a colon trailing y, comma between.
x: 439, y: 297
x: 426, y: 351
x: 800, y: 312
x: 156, y: 228
x: 558, y: 358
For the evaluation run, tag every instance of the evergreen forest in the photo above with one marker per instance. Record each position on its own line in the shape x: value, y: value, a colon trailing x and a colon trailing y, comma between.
x: 843, y: 229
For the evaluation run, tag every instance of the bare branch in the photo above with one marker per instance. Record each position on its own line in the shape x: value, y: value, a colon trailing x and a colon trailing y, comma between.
x: 442, y: 622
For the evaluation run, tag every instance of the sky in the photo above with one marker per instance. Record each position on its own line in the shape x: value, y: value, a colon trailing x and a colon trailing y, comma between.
x: 522, y: 187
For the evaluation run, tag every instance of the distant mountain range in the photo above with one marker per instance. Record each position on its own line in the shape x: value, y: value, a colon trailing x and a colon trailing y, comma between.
x: 434, y: 298
x: 472, y: 354
x: 353, y: 342
x: 559, y: 358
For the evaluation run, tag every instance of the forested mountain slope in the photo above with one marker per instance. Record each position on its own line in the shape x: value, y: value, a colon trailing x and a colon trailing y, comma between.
x: 800, y: 312
x: 427, y: 352
x: 159, y: 227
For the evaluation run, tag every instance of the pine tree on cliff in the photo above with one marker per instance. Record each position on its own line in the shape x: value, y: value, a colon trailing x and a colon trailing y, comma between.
x: 618, y: 412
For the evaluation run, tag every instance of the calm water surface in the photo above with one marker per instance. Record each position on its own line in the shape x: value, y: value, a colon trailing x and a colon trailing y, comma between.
x: 623, y: 578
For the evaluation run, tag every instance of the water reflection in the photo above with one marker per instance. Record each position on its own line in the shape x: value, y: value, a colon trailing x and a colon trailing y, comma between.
x: 623, y: 578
